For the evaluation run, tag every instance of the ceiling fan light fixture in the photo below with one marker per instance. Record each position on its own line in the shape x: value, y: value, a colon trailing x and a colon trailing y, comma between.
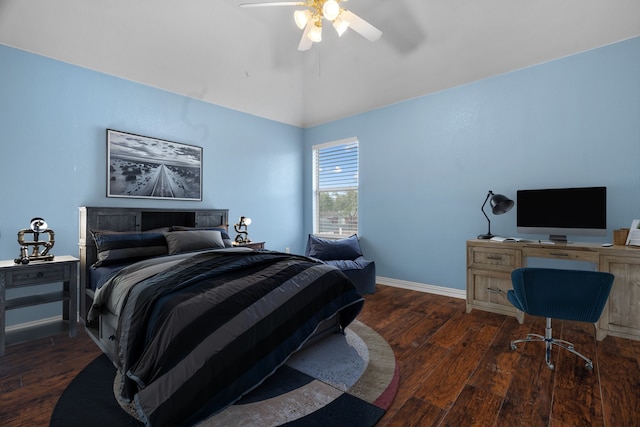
x: 341, y: 25
x: 305, y: 41
x: 330, y: 10
x: 310, y: 20
x: 302, y: 17
x: 361, y: 26
x: 315, y: 33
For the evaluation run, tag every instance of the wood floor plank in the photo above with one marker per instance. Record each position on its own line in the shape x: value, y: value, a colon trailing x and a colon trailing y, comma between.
x: 528, y: 400
x: 577, y: 400
x: 434, y: 303
x: 407, y: 333
x: 496, y: 367
x: 454, y: 330
x: 474, y: 408
x: 417, y: 330
x: 415, y: 413
x: 33, y: 375
x: 620, y: 383
x: 415, y: 368
x: 393, y: 308
x: 444, y: 385
x: 620, y: 346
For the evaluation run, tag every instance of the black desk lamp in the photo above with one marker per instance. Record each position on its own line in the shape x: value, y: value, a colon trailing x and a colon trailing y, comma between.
x: 499, y: 204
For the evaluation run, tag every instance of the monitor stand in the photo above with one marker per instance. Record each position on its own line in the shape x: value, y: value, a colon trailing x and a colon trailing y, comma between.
x: 558, y: 238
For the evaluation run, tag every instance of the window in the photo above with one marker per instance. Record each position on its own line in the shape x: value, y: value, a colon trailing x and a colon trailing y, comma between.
x: 335, y: 188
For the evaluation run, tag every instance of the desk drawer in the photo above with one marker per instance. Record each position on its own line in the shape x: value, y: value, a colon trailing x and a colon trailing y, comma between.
x: 562, y: 253
x: 494, y: 259
x: 39, y: 274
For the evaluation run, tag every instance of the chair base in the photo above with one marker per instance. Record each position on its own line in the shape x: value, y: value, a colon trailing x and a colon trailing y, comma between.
x: 549, y: 343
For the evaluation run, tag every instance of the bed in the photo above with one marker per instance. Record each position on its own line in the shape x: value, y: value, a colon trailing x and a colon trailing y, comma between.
x: 193, y: 327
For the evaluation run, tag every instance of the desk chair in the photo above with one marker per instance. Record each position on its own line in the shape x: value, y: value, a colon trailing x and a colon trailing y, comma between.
x: 559, y: 294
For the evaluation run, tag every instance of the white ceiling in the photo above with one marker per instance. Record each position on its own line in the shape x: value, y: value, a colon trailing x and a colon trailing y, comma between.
x: 247, y: 58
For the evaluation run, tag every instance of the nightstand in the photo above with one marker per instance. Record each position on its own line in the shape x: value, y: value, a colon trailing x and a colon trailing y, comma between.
x: 253, y: 245
x: 61, y: 269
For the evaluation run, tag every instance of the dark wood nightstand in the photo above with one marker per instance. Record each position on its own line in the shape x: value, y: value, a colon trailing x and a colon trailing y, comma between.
x: 61, y: 269
x: 253, y: 245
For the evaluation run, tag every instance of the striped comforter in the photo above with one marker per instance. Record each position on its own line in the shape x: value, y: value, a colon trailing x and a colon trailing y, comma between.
x: 196, y: 336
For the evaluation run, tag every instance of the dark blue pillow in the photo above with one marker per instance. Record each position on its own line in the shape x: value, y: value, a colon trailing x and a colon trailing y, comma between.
x: 115, y: 247
x: 329, y: 249
x: 222, y: 229
x: 193, y: 240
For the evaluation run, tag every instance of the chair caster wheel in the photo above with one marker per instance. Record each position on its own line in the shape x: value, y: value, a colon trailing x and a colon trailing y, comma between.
x: 589, y: 366
x: 513, y: 346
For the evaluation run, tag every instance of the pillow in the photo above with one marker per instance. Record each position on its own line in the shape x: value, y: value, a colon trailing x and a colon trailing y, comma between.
x: 158, y: 230
x: 222, y: 229
x: 328, y: 249
x: 186, y: 241
x: 113, y: 246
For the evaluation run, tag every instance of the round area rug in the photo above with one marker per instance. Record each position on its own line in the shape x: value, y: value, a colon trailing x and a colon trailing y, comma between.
x: 341, y: 380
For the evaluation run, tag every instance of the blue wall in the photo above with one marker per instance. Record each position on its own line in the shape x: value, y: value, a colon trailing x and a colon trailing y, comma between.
x: 53, y: 118
x: 428, y: 163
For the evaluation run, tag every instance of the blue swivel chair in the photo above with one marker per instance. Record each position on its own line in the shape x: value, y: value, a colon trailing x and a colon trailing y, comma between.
x: 559, y: 294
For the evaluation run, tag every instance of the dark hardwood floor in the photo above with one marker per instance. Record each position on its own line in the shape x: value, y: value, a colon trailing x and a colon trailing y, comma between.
x: 456, y: 369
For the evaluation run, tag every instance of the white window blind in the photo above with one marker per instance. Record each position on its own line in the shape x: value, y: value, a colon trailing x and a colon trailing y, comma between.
x: 335, y: 177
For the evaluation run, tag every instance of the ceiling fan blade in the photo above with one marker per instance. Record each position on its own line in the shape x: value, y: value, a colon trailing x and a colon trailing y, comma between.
x: 361, y: 26
x: 277, y: 3
x: 305, y: 41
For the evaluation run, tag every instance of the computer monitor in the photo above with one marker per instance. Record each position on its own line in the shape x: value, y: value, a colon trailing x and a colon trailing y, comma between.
x: 559, y: 212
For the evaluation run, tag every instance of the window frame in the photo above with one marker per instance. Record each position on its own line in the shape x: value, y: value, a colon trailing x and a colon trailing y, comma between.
x: 316, y: 191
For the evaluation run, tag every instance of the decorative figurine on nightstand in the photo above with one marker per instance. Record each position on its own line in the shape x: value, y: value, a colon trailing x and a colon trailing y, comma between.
x: 243, y: 235
x: 37, y: 226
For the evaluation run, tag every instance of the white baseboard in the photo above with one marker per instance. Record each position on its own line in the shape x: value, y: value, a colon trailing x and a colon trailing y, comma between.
x: 422, y: 287
x: 31, y: 324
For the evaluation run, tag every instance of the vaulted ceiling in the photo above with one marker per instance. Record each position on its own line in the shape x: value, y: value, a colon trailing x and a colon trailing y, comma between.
x: 247, y: 58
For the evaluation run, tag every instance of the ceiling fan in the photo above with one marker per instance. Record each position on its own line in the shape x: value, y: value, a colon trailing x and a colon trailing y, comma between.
x: 310, y: 19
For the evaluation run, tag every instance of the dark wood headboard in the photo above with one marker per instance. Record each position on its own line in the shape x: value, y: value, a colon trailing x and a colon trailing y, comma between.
x: 132, y: 219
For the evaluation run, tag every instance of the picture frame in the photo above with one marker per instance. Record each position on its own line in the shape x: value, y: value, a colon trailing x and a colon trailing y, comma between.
x: 633, y: 238
x: 151, y: 168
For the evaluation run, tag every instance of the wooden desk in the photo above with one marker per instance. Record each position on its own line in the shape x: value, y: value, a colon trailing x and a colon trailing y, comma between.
x: 489, y: 267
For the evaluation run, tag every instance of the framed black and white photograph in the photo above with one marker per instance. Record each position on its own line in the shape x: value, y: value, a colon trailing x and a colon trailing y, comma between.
x: 144, y: 167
